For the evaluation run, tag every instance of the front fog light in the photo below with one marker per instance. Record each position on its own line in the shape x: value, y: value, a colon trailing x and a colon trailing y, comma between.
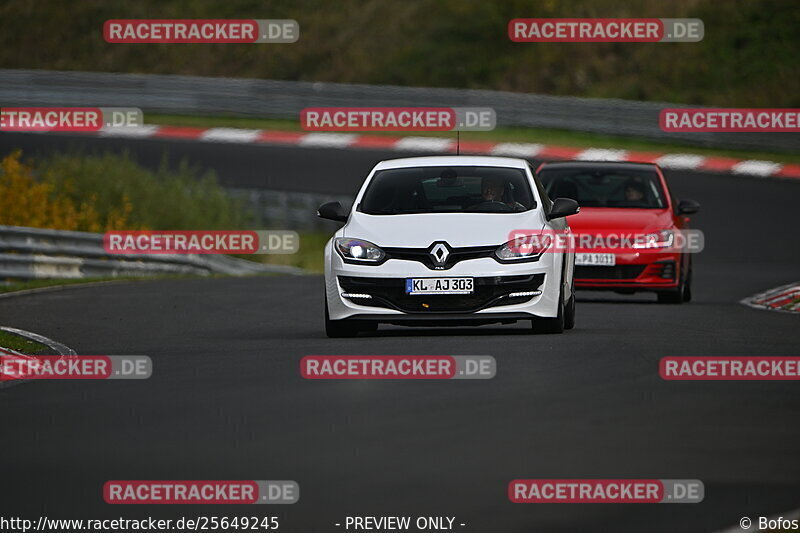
x: 356, y: 295
x: 524, y: 293
x: 668, y: 272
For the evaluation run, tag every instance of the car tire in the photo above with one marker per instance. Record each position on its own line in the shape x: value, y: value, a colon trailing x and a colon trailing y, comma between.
x: 551, y: 325
x: 367, y: 327
x: 338, y: 329
x: 569, y: 313
x: 687, y: 286
x: 677, y: 295
x: 671, y: 297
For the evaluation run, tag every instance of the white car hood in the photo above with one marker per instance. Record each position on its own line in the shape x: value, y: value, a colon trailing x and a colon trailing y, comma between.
x: 457, y: 229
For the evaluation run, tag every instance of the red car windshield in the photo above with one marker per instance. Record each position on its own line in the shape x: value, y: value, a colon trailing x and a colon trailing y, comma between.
x: 605, y: 188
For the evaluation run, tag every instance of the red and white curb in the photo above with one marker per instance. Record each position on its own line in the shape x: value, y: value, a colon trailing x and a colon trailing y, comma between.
x: 440, y: 144
x: 785, y: 299
x: 7, y: 353
x: 56, y: 346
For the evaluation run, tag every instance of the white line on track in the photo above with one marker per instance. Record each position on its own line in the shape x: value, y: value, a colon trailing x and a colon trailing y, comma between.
x: 136, y: 132
x: 517, y: 149
x: 756, y: 168
x: 680, y: 161
x: 332, y: 140
x: 602, y: 154
x: 230, y: 135
x: 426, y: 144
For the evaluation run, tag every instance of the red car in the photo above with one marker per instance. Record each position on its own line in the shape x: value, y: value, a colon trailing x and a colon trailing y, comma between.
x: 624, y: 199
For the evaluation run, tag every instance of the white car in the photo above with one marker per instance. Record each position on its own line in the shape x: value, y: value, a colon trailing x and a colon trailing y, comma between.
x: 427, y: 243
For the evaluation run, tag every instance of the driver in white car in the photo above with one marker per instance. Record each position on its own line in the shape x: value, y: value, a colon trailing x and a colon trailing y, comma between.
x: 494, y: 190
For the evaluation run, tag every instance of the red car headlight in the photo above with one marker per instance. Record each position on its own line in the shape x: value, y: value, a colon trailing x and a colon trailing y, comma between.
x: 659, y: 239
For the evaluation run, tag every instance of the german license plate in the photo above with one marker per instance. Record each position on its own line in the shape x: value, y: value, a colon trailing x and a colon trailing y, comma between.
x: 439, y: 286
x: 595, y: 259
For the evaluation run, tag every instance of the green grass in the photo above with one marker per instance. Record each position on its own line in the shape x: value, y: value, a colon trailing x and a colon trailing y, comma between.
x: 748, y: 57
x: 176, y: 198
x: 44, y: 283
x: 308, y: 258
x: 502, y: 134
x: 20, y: 344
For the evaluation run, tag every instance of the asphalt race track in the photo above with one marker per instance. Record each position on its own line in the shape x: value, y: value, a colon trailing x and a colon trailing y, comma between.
x: 226, y: 400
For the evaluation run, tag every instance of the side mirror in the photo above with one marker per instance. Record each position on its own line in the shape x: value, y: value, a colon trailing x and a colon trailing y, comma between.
x: 332, y: 211
x: 688, y: 207
x: 563, y: 207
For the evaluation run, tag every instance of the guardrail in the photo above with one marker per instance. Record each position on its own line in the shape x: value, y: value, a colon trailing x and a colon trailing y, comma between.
x: 289, y: 209
x: 197, y: 95
x: 33, y: 253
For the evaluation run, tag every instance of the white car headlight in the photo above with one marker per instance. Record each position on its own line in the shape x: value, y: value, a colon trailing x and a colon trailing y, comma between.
x: 523, y: 248
x: 359, y: 250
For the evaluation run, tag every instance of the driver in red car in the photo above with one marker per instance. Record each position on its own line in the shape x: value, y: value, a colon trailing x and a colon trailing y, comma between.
x: 634, y: 191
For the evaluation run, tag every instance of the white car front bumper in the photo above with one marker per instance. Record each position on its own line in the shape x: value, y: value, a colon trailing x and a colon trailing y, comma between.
x: 493, y: 280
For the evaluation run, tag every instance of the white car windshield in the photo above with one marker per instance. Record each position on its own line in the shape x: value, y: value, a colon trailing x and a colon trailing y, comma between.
x: 453, y: 189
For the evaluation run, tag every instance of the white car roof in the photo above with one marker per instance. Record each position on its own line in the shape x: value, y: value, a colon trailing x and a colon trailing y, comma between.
x: 452, y: 160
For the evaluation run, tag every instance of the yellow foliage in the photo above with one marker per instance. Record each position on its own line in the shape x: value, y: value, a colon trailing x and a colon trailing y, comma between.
x: 25, y: 201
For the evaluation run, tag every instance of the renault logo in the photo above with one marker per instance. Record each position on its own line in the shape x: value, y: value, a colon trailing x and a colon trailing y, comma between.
x: 439, y: 253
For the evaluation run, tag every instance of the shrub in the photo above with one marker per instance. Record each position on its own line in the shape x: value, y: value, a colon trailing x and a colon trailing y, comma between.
x: 112, y: 192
